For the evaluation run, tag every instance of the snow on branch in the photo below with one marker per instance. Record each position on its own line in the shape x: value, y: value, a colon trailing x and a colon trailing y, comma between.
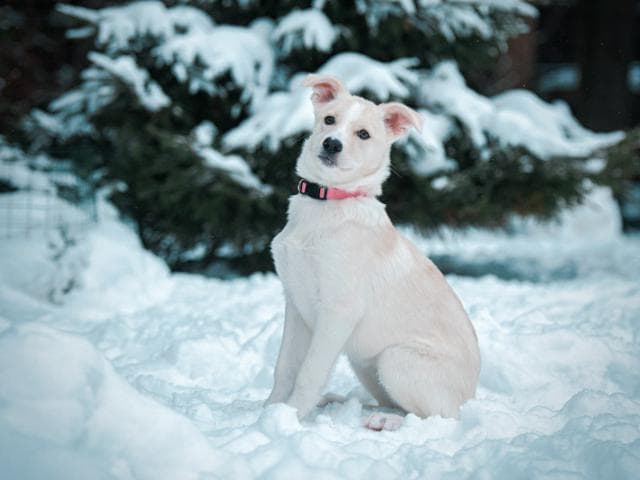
x: 309, y: 29
x: 513, y: 118
x: 21, y: 172
x: 287, y: 113
x: 425, y: 149
x: 186, y: 39
x: 201, y: 57
x: 148, y: 92
x: 69, y: 115
x: 118, y: 27
x: 233, y: 165
x: 547, y: 129
x: 188, y: 19
x: 361, y: 73
x: 452, y: 19
x: 519, y: 7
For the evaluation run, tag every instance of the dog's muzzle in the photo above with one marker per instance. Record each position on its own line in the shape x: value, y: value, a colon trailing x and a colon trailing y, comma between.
x: 330, y: 148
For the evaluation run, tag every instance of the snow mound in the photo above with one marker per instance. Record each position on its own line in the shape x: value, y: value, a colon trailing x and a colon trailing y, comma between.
x: 91, y: 268
x: 64, y: 413
x: 118, y: 274
x: 581, y: 243
x: 164, y: 376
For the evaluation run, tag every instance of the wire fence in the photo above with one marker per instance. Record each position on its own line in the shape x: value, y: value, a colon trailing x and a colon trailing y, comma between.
x: 34, y: 202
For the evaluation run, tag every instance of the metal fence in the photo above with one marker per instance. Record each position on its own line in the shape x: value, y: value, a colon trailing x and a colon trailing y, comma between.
x: 34, y: 202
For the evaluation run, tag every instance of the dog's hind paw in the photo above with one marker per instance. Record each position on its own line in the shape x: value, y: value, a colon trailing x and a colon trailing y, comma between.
x: 384, y: 421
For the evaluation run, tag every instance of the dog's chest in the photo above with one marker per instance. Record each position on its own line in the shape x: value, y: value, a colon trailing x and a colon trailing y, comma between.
x: 296, y: 254
x: 320, y: 249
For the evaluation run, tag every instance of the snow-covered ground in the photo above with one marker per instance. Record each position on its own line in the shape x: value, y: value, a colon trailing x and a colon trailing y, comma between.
x: 111, y: 367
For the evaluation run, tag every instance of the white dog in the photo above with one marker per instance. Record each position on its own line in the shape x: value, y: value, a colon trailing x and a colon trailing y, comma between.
x: 353, y: 284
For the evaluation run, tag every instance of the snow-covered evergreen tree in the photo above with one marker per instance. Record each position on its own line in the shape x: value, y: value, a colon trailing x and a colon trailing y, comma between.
x: 194, y: 110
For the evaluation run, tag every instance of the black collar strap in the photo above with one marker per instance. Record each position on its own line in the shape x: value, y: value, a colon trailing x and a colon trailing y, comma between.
x: 313, y: 190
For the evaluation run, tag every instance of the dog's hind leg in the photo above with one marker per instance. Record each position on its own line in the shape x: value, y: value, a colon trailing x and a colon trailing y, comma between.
x: 421, y: 382
x: 368, y: 376
x: 295, y: 344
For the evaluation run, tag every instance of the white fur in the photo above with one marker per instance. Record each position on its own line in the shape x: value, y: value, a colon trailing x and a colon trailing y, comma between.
x: 353, y: 284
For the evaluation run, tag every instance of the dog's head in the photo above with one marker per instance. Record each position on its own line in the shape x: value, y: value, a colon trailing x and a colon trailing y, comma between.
x: 351, y: 139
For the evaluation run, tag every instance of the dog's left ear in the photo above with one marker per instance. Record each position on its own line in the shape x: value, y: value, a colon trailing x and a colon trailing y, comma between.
x: 325, y: 88
x: 398, y: 119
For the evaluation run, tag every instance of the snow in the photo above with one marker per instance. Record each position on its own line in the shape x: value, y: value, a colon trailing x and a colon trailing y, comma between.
x: 118, y: 26
x: 60, y: 393
x: 633, y: 77
x: 451, y: 19
x: 522, y: 118
x: 124, y: 68
x: 284, y: 114
x: 204, y: 133
x: 559, y: 77
x: 138, y: 373
x: 513, y: 118
x: 360, y: 73
x: 15, y: 170
x: 279, y: 116
x: 71, y: 111
x: 202, y: 54
x: 308, y: 28
x: 233, y: 165
x: 186, y: 19
x: 426, y: 148
x: 187, y: 39
x: 238, y: 51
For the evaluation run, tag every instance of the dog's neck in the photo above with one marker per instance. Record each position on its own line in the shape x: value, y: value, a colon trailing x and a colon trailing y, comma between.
x: 323, y: 192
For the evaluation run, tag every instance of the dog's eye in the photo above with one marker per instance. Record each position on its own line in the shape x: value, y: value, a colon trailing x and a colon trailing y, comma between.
x: 329, y: 120
x: 363, y: 134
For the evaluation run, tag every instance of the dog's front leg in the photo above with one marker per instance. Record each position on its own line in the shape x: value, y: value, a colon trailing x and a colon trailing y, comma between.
x: 328, y: 340
x: 294, y: 346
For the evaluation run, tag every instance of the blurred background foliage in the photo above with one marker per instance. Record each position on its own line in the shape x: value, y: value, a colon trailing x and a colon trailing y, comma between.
x: 189, y: 112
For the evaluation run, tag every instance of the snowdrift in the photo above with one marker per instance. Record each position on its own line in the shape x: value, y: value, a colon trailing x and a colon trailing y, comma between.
x: 137, y: 373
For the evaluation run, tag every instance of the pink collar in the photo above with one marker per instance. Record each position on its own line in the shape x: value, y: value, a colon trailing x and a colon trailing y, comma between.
x: 320, y: 192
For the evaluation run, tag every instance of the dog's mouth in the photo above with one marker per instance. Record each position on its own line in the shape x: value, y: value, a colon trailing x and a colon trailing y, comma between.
x: 328, y: 160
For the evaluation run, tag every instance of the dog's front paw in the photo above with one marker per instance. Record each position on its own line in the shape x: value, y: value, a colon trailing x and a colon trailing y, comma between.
x: 274, y: 397
x: 303, y: 402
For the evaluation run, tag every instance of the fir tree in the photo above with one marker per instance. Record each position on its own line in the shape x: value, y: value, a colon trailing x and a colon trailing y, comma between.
x: 194, y: 114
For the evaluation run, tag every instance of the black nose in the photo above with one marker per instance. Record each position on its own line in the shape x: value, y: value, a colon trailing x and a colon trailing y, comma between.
x: 332, y: 145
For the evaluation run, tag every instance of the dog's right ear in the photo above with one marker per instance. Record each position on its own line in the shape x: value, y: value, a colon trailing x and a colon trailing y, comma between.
x: 325, y: 88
